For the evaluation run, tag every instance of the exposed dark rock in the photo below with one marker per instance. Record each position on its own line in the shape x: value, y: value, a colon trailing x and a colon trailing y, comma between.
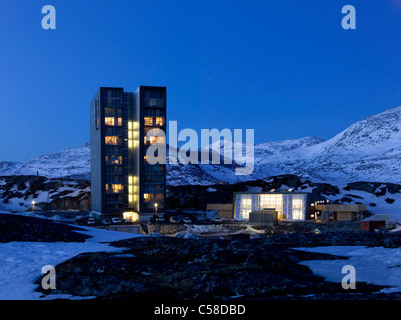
x: 21, y: 228
x: 172, y: 268
x: 389, y: 200
x: 353, y: 196
x: 345, y: 200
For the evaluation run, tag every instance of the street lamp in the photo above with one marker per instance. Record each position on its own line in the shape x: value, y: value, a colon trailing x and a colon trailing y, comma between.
x: 33, y: 206
x: 157, y: 219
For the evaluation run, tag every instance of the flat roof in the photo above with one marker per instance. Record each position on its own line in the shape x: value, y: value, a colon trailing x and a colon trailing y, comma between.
x: 272, y: 192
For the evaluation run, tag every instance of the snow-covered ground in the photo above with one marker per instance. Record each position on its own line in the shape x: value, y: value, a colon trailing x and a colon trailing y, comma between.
x: 374, y: 265
x: 22, y: 262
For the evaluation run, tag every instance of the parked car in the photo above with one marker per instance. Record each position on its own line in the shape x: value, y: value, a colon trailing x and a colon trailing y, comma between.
x: 161, y: 219
x: 174, y: 219
x: 216, y: 220
x: 186, y: 220
x: 106, y: 221
x: 116, y: 220
x: 91, y: 221
x: 81, y: 220
x: 154, y: 219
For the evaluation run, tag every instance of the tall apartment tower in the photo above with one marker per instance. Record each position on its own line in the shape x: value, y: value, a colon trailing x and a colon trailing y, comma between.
x: 122, y: 181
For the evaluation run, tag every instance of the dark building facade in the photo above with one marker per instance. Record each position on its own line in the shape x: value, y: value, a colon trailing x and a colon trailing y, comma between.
x: 122, y: 180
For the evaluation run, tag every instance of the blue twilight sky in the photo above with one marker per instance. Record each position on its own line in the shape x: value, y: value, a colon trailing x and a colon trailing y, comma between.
x: 284, y: 68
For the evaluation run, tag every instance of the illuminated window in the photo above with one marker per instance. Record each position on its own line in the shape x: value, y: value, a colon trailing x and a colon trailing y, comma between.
x: 117, y: 188
x: 133, y: 216
x: 246, y: 207
x: 159, y: 121
x: 272, y: 201
x: 114, y: 159
x: 111, y: 121
x: 147, y: 197
x: 112, y: 140
x: 159, y: 197
x: 148, y: 121
x: 297, y: 208
x: 153, y: 139
x: 114, y: 188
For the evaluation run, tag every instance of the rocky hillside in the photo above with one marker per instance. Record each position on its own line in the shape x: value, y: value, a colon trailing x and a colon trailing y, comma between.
x: 379, y: 197
x: 18, y: 192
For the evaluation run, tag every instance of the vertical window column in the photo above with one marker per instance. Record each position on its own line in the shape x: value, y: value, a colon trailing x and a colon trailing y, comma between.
x: 133, y: 134
x: 132, y: 190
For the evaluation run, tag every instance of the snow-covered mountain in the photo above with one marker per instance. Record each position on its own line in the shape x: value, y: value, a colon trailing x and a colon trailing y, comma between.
x: 368, y: 150
x: 68, y: 162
